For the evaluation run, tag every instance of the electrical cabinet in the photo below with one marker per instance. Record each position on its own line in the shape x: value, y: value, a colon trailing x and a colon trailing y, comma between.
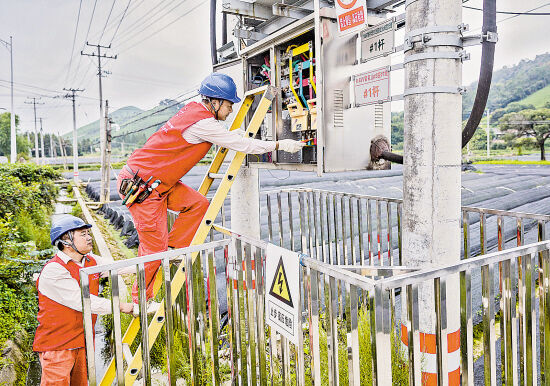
x: 312, y: 66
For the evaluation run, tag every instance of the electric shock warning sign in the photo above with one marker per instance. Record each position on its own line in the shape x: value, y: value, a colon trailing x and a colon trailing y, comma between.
x: 283, y: 296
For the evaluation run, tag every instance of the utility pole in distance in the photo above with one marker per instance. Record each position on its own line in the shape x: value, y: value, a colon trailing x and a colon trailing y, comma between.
x: 34, y: 103
x: 43, y: 154
x: 102, y: 131
x: 106, y: 158
x: 13, y: 138
x: 72, y: 96
x: 488, y: 134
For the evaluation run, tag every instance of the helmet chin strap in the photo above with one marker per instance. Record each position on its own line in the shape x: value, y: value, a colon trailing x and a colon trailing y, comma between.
x: 71, y: 244
x: 213, y: 108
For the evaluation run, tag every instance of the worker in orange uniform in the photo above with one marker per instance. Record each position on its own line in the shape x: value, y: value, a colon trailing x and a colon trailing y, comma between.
x: 59, y: 337
x: 169, y: 154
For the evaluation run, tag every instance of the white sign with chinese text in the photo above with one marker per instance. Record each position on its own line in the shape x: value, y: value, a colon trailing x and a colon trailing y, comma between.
x: 351, y: 15
x: 377, y: 41
x: 372, y: 86
x: 282, y: 301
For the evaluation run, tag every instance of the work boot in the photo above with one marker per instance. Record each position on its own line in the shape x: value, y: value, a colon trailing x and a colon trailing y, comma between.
x: 152, y: 307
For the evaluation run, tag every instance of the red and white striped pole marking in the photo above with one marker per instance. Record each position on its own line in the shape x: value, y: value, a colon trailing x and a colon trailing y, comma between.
x: 429, y: 358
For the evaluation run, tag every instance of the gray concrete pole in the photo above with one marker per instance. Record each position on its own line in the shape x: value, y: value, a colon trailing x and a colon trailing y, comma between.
x: 43, y: 160
x: 13, y: 151
x: 75, y: 143
x: 52, y: 148
x: 488, y: 134
x: 36, y: 156
x: 432, y: 151
x: 245, y: 203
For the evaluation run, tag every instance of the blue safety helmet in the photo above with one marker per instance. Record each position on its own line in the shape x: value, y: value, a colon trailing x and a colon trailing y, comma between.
x: 219, y: 86
x: 65, y: 224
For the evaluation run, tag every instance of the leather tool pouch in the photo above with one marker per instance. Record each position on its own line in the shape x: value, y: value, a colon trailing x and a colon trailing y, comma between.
x: 125, y: 186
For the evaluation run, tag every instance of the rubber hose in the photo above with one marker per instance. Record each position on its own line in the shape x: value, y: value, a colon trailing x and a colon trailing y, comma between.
x: 485, y: 71
x: 484, y: 84
x: 213, y: 44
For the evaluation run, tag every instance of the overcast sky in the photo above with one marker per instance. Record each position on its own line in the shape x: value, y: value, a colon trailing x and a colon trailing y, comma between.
x: 163, y: 50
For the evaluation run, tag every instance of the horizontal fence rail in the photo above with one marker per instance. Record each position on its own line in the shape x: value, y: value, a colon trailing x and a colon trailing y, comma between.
x: 343, y: 228
x: 524, y: 273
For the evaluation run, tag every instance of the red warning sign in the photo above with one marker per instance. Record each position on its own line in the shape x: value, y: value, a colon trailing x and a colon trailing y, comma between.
x: 351, y: 14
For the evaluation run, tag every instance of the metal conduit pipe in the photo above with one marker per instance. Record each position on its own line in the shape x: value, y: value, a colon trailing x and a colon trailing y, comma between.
x: 213, y: 44
x: 484, y: 83
x: 224, y: 29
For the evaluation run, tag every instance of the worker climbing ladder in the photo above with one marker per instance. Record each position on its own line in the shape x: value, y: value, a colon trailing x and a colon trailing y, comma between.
x: 135, y: 363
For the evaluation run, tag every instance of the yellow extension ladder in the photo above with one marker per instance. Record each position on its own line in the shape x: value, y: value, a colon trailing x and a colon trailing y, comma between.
x: 178, y: 281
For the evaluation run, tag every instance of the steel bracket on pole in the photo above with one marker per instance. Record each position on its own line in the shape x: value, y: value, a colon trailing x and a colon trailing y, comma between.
x: 434, y: 89
x: 461, y: 55
x: 472, y: 40
x: 424, y: 36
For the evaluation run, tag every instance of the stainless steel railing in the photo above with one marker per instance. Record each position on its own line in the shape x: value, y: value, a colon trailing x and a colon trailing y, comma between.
x: 343, y: 228
x: 335, y: 227
x: 520, y: 268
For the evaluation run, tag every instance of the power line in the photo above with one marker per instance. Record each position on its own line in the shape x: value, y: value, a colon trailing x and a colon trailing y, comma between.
x: 513, y: 13
x: 195, y: 93
x: 85, y: 40
x: 107, y: 21
x: 166, y: 26
x: 120, y: 22
x: 149, y: 20
x: 74, y: 41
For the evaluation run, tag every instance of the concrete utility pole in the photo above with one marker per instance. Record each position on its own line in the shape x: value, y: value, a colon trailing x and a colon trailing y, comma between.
x: 106, y: 159
x: 102, y: 136
x: 52, y: 148
x: 62, y: 147
x: 432, y: 157
x: 42, y: 143
x: 13, y: 137
x: 488, y: 134
x: 72, y: 96
x: 34, y: 103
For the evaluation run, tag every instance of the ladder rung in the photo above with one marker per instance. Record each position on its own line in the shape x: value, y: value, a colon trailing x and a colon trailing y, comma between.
x: 256, y: 91
x: 216, y: 175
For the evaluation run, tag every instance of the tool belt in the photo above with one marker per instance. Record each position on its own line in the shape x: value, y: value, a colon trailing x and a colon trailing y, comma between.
x: 135, y: 190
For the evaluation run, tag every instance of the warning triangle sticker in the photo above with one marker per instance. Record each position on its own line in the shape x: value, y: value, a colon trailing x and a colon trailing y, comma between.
x: 279, y: 287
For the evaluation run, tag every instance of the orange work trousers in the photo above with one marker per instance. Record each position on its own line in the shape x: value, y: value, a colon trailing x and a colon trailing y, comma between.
x: 150, y: 220
x: 64, y: 368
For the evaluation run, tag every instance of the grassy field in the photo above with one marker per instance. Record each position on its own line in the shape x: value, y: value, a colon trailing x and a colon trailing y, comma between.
x: 539, y: 98
x: 510, y: 162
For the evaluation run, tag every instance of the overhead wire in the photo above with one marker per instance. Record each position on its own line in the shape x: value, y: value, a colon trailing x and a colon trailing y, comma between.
x: 165, y: 26
x: 526, y: 13
x: 107, y: 21
x: 152, y: 18
x: 85, y: 40
x: 74, y: 41
x: 120, y: 22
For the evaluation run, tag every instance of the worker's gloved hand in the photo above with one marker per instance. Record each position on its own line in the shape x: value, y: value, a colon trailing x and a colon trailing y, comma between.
x: 290, y: 145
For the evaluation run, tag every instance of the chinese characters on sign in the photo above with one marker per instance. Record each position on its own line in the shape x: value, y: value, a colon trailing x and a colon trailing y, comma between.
x: 282, y: 291
x: 372, y: 87
x: 351, y: 15
x: 377, y: 41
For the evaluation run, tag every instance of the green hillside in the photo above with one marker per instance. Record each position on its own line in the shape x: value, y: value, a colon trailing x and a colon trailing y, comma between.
x: 91, y: 130
x: 512, y: 84
x: 539, y: 98
x: 135, y: 125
